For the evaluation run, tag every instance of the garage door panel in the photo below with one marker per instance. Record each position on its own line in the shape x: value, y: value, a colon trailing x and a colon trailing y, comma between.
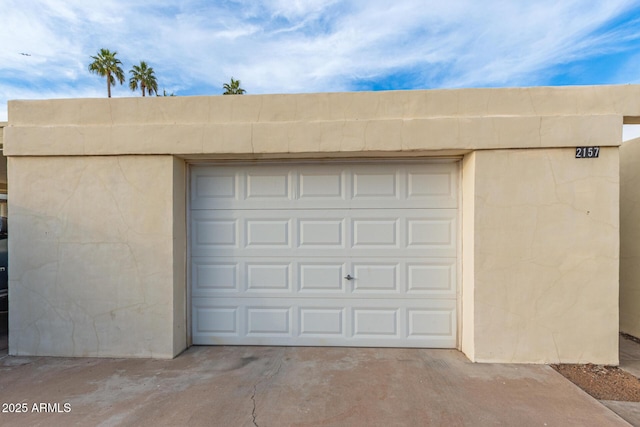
x: 424, y: 323
x: 213, y: 275
x: 271, y: 233
x: 216, y: 320
x: 369, y: 232
x: 325, y: 277
x: 336, y: 185
x: 214, y: 185
x: 431, y: 184
x: 373, y: 184
x: 322, y: 185
x: 376, y: 277
x: 437, y: 277
x: 376, y: 322
x: 269, y: 321
x: 312, y: 278
x: 271, y: 185
x: 216, y: 232
x: 363, y: 322
x: 314, y: 232
x: 322, y: 322
x: 423, y: 232
x: 410, y: 232
x: 268, y: 277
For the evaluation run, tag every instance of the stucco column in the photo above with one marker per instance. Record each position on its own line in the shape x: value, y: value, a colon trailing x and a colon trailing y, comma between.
x: 541, y: 256
x: 630, y: 237
x: 94, y: 243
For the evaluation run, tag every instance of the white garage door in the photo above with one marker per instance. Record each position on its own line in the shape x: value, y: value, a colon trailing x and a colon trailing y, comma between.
x: 324, y: 254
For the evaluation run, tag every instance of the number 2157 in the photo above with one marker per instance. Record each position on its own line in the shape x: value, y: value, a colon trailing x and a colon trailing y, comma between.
x: 587, y: 152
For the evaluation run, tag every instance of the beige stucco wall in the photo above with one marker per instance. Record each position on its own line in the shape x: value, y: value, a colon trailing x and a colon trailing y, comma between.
x: 179, y: 256
x: 92, y: 257
x: 467, y: 303
x: 98, y: 207
x: 3, y: 161
x: 545, y: 256
x: 630, y: 237
x: 316, y: 125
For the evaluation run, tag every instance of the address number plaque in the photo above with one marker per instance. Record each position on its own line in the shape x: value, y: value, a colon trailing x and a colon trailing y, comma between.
x: 587, y: 152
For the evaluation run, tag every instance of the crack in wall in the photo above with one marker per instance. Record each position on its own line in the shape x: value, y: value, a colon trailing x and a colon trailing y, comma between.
x: 253, y: 148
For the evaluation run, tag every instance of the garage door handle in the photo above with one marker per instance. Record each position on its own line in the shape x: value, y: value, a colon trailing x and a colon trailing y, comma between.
x: 348, y: 277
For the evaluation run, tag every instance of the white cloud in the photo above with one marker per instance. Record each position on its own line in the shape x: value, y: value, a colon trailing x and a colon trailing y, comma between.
x: 277, y: 46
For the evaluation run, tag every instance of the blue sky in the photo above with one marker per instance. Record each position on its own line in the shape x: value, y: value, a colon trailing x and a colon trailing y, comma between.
x: 289, y: 46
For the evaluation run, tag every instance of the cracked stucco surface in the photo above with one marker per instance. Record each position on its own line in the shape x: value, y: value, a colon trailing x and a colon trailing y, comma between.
x: 92, y: 249
x: 401, y: 121
x: 328, y: 137
x: 546, y: 256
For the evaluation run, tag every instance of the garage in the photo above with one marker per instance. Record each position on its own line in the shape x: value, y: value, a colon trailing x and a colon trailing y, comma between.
x: 463, y: 218
x: 324, y: 254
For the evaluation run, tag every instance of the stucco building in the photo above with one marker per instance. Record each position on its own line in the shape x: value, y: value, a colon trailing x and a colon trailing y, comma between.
x: 441, y: 218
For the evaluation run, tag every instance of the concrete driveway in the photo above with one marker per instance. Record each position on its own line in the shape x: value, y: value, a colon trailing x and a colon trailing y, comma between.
x: 287, y: 386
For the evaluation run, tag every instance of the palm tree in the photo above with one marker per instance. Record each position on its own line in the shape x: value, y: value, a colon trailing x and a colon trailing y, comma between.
x: 144, y: 75
x: 106, y: 64
x: 233, y: 88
